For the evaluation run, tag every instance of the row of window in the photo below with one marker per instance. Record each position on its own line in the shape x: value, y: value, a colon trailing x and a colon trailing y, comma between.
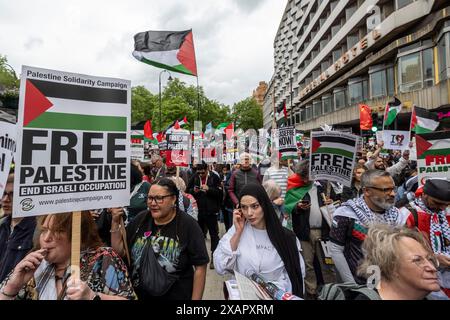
x: 415, y: 70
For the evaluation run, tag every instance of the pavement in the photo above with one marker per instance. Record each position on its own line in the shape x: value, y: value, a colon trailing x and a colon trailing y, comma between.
x: 214, y: 282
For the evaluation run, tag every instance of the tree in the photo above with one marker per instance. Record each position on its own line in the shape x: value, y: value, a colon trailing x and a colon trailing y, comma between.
x: 9, y: 85
x: 143, y: 104
x: 247, y: 114
x: 178, y: 101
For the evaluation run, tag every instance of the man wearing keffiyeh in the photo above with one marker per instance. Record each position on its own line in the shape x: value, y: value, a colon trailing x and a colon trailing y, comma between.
x: 352, y: 220
x: 430, y: 213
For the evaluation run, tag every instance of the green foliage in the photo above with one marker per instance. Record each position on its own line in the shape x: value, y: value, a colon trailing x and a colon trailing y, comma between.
x: 247, y: 114
x: 178, y: 101
x: 8, y: 78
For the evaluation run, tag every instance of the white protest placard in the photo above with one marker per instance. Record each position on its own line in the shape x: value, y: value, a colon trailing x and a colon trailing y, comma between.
x: 396, y: 140
x: 287, y: 142
x: 137, y: 145
x: 332, y: 156
x: 73, y: 149
x: 178, y: 148
x: 433, y: 155
x: 379, y: 136
x: 7, y: 149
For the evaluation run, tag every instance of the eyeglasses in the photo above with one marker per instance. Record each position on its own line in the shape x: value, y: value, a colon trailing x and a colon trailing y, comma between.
x: 8, y: 194
x: 201, y: 172
x: 421, y: 262
x: 158, y: 199
x: 385, y: 190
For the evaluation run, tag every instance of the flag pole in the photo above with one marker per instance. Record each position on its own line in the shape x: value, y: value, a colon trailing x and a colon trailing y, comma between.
x: 198, y: 101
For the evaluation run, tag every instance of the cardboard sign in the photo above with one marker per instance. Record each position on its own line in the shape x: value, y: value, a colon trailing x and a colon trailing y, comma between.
x: 332, y: 156
x: 73, y: 150
x: 178, y: 148
x: 396, y: 140
x: 7, y: 149
x: 287, y: 142
x: 433, y: 155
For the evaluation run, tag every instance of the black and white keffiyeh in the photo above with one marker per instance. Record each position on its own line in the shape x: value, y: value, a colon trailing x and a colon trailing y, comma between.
x: 367, y: 217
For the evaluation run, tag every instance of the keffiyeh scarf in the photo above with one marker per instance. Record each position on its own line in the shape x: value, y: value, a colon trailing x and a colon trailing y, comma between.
x: 439, y: 229
x: 367, y: 217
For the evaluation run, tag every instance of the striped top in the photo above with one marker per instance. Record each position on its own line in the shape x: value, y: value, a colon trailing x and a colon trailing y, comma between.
x: 280, y: 176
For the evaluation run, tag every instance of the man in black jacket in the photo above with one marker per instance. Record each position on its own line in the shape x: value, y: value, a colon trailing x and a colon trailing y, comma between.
x: 311, y: 229
x: 207, y: 191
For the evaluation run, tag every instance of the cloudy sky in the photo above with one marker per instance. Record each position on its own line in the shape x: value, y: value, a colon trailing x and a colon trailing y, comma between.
x: 233, y: 39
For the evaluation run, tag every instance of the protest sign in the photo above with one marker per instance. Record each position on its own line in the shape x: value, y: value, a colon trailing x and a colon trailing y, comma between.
x: 287, y: 143
x: 178, y: 148
x: 73, y: 149
x: 433, y: 155
x: 396, y: 140
x: 137, y: 145
x: 333, y: 156
x: 7, y: 150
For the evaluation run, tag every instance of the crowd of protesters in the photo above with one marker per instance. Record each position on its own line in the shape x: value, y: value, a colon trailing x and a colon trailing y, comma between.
x: 272, y: 213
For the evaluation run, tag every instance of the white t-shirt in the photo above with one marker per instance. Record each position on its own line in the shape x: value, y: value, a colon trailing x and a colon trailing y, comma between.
x: 255, y: 253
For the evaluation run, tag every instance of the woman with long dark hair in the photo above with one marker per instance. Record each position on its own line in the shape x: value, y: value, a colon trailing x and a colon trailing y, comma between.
x: 258, y: 243
x: 171, y: 237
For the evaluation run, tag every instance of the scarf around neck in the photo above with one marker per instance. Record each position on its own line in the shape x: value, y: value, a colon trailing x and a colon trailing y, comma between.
x: 367, y: 216
x: 439, y: 229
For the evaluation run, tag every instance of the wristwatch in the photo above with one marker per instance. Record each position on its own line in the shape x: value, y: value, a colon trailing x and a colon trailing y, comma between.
x: 96, y: 297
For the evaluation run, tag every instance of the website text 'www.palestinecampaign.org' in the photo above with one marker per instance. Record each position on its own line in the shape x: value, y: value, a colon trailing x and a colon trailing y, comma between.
x: 79, y: 199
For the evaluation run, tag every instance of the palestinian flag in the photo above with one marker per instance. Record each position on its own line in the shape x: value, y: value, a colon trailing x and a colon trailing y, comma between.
x: 423, y: 121
x: 227, y: 128
x: 65, y: 106
x: 170, y: 50
x: 393, y: 108
x: 333, y: 145
x: 433, y: 155
x: 296, y: 190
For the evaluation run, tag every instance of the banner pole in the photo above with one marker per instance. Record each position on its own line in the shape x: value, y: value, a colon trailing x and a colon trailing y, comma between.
x: 76, y: 243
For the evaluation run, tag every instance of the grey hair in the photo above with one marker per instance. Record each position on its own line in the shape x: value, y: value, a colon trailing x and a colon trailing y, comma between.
x: 368, y: 177
x: 155, y: 157
x: 302, y: 168
x: 272, y: 188
x: 243, y: 155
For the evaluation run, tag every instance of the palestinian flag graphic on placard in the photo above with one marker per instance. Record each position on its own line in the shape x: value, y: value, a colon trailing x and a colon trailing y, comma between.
x: 423, y: 121
x: 170, y: 50
x: 54, y: 105
x: 433, y: 144
x: 333, y: 145
x: 433, y: 155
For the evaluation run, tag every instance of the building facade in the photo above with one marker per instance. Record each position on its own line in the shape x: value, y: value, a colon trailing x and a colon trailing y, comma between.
x: 259, y: 93
x: 330, y: 56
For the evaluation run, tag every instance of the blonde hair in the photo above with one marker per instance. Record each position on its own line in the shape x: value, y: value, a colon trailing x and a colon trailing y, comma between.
x: 272, y: 188
x: 179, y: 182
x: 381, y: 248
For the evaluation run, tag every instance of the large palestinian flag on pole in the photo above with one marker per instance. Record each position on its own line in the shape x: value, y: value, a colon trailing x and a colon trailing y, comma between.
x: 433, y: 155
x: 73, y: 143
x: 170, y: 50
x: 423, y: 121
x: 333, y: 156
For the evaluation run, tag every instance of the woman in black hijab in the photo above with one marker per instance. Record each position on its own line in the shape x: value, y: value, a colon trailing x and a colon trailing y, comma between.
x: 258, y: 243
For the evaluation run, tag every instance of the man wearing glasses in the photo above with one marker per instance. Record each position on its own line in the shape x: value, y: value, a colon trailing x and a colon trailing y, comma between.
x: 16, y: 234
x: 352, y: 220
x: 429, y: 212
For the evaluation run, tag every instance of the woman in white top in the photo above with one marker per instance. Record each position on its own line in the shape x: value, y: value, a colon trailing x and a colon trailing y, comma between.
x: 258, y: 243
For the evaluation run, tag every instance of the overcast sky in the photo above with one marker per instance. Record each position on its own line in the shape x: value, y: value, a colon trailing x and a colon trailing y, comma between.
x: 233, y: 39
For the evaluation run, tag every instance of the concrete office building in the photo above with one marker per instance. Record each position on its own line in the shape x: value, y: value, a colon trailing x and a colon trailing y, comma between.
x: 330, y: 56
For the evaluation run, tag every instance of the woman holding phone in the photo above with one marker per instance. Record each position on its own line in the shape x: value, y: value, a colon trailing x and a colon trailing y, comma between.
x: 258, y: 243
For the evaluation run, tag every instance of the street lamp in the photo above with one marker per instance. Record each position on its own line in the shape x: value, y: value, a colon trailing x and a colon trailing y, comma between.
x: 160, y: 101
x: 12, y: 69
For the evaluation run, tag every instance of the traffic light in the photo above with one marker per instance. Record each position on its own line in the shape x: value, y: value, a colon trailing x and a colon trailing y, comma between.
x: 374, y: 122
